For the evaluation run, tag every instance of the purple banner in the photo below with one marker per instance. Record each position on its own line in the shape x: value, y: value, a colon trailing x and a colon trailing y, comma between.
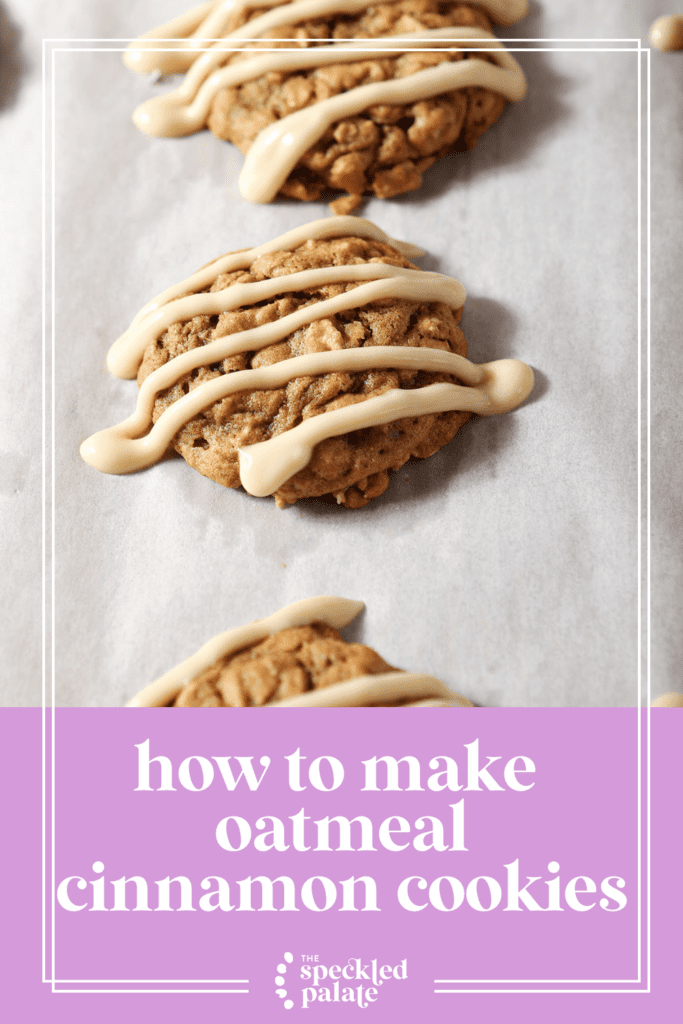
x: 335, y: 860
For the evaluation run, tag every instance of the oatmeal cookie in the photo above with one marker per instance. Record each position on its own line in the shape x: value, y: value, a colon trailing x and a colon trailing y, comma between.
x: 285, y: 665
x: 311, y: 116
x: 295, y: 658
x: 384, y: 151
x: 353, y: 468
x: 312, y: 365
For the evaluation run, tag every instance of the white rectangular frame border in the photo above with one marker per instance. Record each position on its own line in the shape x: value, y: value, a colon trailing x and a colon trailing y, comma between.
x: 48, y: 731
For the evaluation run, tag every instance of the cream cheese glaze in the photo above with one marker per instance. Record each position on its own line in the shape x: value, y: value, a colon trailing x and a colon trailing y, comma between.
x: 185, y: 110
x: 134, y: 444
x: 278, y: 147
x: 184, y: 37
x: 667, y: 32
x: 413, y: 689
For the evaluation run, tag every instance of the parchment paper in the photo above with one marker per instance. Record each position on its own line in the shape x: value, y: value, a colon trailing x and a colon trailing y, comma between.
x: 508, y: 563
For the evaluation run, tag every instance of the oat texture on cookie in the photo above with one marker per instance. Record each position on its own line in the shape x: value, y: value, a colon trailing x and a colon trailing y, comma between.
x: 312, y: 365
x: 294, y: 658
x: 288, y: 80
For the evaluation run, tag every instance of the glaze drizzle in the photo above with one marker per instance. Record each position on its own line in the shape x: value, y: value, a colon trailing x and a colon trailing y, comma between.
x: 415, y: 688
x: 279, y: 146
x: 190, y: 32
x: 131, y: 445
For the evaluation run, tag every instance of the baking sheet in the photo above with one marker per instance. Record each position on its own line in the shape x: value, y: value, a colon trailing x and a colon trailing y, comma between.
x: 507, y: 564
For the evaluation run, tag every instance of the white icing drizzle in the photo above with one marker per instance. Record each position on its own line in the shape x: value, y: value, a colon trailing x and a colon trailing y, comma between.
x: 266, y: 466
x: 389, y: 687
x: 131, y: 445
x: 279, y: 146
x: 124, y: 356
x: 401, y: 283
x: 185, y: 110
x: 205, y: 24
x: 667, y: 32
x: 416, y: 689
x: 187, y: 30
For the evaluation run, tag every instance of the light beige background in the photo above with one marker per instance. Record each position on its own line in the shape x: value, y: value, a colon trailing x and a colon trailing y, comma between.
x: 506, y: 564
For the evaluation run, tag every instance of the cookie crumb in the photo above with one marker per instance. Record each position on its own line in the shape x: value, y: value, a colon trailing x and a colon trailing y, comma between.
x: 345, y: 204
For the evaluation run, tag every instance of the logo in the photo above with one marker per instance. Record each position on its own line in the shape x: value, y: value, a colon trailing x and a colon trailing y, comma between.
x: 311, y: 982
x: 280, y: 980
